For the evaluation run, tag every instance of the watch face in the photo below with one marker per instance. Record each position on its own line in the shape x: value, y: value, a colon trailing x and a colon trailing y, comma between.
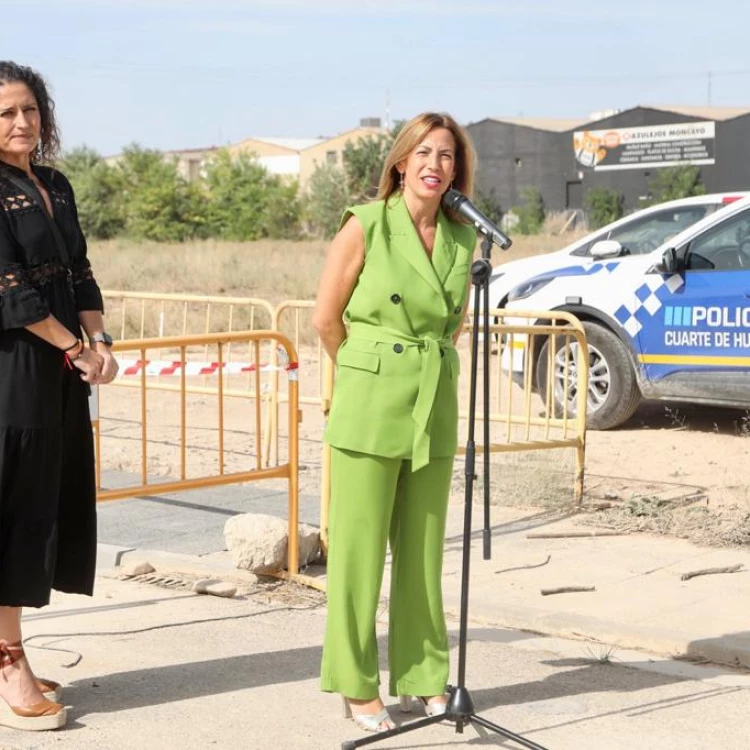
x: 103, y: 338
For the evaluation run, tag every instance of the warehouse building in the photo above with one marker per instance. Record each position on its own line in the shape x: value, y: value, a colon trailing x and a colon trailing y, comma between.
x: 623, y: 151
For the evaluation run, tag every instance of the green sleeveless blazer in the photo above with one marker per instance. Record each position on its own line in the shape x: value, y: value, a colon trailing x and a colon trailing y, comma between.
x: 395, y: 393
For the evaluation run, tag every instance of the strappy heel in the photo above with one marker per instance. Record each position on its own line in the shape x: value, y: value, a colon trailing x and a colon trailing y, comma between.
x: 41, y: 716
x: 431, y: 709
x: 368, y: 722
x: 50, y: 689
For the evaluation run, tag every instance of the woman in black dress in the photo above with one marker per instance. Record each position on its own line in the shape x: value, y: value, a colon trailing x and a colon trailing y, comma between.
x: 47, y: 295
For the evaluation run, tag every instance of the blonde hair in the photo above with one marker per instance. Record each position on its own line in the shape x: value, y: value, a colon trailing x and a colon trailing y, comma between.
x: 410, y: 136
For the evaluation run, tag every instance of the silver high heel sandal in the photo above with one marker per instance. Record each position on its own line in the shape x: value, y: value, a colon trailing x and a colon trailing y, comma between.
x: 369, y: 722
x: 430, y: 709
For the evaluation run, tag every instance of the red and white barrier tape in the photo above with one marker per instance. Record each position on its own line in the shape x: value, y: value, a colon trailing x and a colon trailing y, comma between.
x: 159, y: 368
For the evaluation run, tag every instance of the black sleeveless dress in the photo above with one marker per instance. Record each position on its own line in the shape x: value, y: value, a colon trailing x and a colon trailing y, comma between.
x: 47, y: 488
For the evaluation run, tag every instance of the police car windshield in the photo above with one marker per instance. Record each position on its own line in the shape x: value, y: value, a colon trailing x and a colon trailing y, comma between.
x: 725, y: 248
x: 645, y: 233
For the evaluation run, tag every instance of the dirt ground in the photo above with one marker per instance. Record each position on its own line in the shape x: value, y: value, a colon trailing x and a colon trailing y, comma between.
x: 673, y: 469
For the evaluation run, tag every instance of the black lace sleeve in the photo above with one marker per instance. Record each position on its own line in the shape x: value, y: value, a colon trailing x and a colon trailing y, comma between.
x: 20, y: 303
x: 87, y: 293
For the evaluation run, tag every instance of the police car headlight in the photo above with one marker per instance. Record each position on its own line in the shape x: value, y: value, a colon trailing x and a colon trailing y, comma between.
x: 527, y: 289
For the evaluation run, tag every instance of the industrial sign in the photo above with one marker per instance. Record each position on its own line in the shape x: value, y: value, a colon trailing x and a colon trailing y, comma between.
x: 643, y: 147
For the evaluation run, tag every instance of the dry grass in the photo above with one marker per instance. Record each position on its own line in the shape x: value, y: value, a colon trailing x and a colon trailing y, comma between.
x: 541, y: 479
x: 270, y: 270
x: 727, y: 526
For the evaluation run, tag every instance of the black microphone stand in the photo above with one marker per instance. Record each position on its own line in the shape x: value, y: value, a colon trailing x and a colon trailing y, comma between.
x: 460, y: 708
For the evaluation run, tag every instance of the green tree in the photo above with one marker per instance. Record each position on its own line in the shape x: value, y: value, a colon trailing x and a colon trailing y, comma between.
x: 282, y: 216
x: 246, y: 202
x: 160, y: 205
x: 99, y: 193
x: 363, y: 162
x: 531, y: 213
x: 671, y: 183
x: 603, y: 206
x: 328, y: 197
x: 487, y: 202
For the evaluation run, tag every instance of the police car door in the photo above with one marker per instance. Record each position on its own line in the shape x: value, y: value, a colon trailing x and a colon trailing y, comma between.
x: 698, y: 345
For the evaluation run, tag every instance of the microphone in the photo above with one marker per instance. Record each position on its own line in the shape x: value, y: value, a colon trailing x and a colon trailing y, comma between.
x: 462, y: 205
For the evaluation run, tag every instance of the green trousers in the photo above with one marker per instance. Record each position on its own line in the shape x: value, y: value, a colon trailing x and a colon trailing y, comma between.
x: 374, y: 500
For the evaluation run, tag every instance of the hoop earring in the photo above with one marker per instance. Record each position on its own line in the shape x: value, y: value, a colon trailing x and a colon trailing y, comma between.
x: 401, y: 182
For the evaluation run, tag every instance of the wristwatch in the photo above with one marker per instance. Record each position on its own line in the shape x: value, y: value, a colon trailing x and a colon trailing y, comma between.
x: 101, y: 338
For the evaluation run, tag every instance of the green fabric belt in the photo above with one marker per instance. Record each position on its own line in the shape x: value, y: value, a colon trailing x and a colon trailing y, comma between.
x: 429, y: 377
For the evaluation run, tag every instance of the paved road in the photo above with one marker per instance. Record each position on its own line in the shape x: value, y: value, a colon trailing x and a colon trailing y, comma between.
x: 165, y: 669
x: 188, y: 522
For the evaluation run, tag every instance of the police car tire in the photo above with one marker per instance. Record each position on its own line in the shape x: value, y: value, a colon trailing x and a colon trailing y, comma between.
x: 624, y: 394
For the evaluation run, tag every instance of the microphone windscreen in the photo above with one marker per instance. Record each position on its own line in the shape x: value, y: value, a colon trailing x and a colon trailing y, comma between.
x: 453, y: 199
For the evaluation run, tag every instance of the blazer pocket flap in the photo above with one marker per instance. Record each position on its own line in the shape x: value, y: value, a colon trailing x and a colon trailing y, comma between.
x: 358, y: 360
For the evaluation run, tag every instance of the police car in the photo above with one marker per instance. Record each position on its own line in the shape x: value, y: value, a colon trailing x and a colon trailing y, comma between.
x: 672, y: 324
x: 635, y: 234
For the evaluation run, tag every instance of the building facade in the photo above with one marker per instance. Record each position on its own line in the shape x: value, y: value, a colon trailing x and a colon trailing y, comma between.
x: 330, y: 151
x: 565, y: 159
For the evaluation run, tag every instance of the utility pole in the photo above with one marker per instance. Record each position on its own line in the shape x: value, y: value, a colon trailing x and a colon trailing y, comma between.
x: 387, y: 109
x: 710, y: 75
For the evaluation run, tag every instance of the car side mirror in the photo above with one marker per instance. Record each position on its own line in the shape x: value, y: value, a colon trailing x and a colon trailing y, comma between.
x: 606, y: 249
x: 669, y: 263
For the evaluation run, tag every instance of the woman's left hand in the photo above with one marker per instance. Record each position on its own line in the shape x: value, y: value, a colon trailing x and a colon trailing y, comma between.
x: 109, y: 365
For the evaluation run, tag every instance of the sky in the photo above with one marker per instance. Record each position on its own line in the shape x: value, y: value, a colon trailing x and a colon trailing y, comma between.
x: 174, y: 74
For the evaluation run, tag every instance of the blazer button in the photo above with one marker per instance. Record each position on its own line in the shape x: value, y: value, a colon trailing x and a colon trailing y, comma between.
x: 456, y: 310
x: 396, y: 299
x: 398, y: 348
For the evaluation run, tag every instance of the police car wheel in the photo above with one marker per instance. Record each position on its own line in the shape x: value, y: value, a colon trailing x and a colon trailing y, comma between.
x: 612, y: 395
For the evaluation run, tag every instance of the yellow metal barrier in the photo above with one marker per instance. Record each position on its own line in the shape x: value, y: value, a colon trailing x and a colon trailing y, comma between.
x: 294, y: 318
x: 524, y: 346
x: 251, y: 341
x: 154, y: 315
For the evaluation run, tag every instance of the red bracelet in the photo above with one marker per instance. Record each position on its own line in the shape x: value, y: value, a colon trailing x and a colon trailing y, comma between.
x: 70, y: 358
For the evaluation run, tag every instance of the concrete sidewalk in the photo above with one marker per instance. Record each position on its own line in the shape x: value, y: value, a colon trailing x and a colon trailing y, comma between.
x: 149, y: 666
x: 639, y: 599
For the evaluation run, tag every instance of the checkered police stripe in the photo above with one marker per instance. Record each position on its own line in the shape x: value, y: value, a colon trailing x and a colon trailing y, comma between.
x: 646, y: 301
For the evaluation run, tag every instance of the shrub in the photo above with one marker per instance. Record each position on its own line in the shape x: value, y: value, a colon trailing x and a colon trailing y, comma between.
x: 531, y: 213
x: 603, y: 206
x: 671, y: 183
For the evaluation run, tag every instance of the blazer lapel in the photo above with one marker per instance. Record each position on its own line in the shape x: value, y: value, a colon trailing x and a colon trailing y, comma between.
x: 444, y: 251
x: 408, y: 244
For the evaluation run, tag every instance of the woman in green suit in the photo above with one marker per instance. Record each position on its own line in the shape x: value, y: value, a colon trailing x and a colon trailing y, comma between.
x: 397, y: 273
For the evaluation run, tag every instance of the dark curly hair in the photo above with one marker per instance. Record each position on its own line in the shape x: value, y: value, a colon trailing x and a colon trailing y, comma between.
x: 49, y: 141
